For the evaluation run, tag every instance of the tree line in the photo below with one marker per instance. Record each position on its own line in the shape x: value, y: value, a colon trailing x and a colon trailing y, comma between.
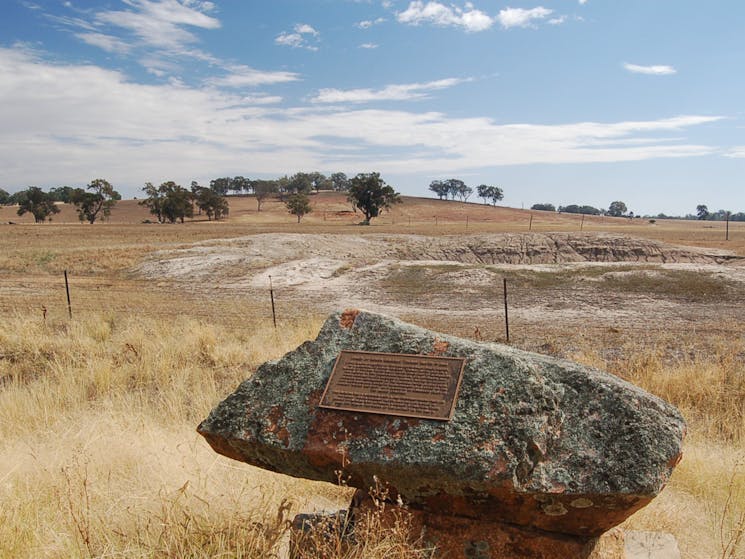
x: 703, y: 213
x: 615, y: 209
x: 92, y: 202
x: 172, y: 203
x: 367, y: 192
x: 456, y: 188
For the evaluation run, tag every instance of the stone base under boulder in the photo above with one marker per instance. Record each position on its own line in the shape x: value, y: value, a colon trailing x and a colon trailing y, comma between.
x: 453, y: 537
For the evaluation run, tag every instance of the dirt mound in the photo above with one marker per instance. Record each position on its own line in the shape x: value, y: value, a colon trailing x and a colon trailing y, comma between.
x: 329, y: 252
x: 556, y: 278
x: 551, y: 248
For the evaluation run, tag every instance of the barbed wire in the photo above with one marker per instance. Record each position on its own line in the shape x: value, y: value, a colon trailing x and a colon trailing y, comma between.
x: 228, y: 306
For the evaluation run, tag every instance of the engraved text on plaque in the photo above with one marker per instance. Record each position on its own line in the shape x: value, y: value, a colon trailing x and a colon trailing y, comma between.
x: 394, y: 384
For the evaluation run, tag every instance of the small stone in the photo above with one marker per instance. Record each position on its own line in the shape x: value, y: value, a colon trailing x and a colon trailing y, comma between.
x: 650, y: 545
x: 554, y: 509
x: 581, y: 503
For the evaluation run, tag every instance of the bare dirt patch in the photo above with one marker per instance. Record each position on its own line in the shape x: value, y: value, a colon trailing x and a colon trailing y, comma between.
x: 590, y: 280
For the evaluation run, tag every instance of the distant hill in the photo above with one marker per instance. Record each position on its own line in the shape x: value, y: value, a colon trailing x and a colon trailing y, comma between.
x: 327, y: 206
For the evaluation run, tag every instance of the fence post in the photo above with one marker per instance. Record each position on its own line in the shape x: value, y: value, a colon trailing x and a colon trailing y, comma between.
x: 67, y: 290
x: 271, y: 296
x: 506, y: 314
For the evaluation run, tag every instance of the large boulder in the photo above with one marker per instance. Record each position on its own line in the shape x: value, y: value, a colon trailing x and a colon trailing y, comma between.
x: 534, y: 441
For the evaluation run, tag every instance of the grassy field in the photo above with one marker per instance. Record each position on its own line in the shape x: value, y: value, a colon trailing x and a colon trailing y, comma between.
x: 97, y: 413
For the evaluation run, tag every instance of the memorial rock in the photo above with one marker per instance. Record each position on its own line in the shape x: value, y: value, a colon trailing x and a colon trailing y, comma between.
x: 533, y: 441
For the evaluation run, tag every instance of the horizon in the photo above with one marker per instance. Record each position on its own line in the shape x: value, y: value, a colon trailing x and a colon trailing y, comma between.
x: 475, y: 200
x: 562, y: 102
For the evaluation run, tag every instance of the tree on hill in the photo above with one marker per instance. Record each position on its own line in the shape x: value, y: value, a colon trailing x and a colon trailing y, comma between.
x: 454, y: 187
x: 575, y: 209
x: 617, y: 209
x: 264, y: 189
x: 439, y: 188
x: 177, y: 203
x: 319, y: 181
x: 241, y: 184
x: 298, y: 204
x: 38, y: 203
x: 209, y: 201
x: 4, y: 197
x: 169, y: 202
x: 702, y: 211
x: 62, y: 194
x: 464, y: 192
x: 370, y: 194
x: 153, y: 200
x: 221, y: 185
x: 339, y: 182
x: 543, y: 207
x: 493, y: 193
x: 17, y: 197
x: 98, y: 202
x: 299, y: 183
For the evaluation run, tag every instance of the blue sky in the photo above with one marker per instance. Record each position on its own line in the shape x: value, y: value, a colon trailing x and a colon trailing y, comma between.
x: 574, y: 101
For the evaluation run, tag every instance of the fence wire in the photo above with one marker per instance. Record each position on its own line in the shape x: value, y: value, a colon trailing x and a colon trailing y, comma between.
x: 479, y: 314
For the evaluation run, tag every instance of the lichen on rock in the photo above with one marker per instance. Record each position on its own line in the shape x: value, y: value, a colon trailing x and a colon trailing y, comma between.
x: 534, y: 440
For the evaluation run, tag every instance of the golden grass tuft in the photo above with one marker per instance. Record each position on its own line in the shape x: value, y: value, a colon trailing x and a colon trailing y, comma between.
x: 100, y: 453
x: 100, y: 457
x: 704, y: 503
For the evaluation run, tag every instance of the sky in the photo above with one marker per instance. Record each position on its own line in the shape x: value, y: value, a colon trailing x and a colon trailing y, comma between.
x: 563, y: 102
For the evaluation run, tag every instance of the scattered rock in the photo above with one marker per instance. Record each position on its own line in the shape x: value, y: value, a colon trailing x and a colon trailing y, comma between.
x: 535, y: 441
x: 650, y: 545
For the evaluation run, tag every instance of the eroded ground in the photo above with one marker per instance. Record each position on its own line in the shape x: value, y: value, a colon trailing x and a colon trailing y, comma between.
x: 555, y: 281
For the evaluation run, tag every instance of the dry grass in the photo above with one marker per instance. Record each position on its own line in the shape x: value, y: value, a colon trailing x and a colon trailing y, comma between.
x: 97, y: 414
x: 704, y: 504
x: 97, y: 422
x: 100, y: 457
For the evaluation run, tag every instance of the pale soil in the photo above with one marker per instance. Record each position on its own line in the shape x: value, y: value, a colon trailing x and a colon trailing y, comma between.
x: 566, y: 279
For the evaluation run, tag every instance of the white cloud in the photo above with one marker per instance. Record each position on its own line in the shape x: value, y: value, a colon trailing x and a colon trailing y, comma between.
x: 737, y: 152
x: 261, y: 99
x: 84, y: 121
x: 305, y: 29
x: 518, y: 17
x: 370, y: 22
x: 557, y: 20
x: 290, y: 39
x: 400, y: 92
x: 435, y: 13
x: 242, y: 76
x: 583, y: 1
x: 368, y: 46
x: 160, y: 22
x: 298, y: 38
x: 156, y: 32
x: 656, y: 70
x: 109, y: 43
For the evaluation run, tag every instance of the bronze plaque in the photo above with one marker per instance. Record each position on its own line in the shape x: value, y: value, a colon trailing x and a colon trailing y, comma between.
x: 394, y: 384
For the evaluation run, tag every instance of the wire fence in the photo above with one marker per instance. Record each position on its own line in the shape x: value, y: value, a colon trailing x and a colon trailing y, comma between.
x: 566, y: 310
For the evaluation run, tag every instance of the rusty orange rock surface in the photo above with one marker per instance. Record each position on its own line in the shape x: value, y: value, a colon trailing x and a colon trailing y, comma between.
x: 534, y: 441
